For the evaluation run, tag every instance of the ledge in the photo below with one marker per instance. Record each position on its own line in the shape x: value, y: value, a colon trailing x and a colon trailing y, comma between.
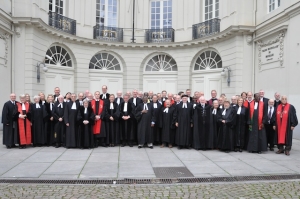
x: 229, y: 32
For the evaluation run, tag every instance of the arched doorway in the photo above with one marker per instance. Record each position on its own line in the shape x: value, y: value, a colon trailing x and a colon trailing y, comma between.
x: 160, y: 73
x: 206, y: 72
x: 60, y: 70
x: 106, y: 69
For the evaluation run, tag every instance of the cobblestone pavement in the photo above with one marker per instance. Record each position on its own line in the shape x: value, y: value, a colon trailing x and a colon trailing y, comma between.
x: 281, y: 189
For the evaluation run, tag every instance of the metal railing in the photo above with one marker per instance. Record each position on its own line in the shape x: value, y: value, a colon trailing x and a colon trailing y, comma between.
x: 108, y: 33
x: 62, y: 23
x: 159, y: 35
x: 206, y: 28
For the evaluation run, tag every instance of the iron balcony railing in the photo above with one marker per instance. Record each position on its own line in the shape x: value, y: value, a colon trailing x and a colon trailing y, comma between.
x: 159, y: 35
x: 62, y: 23
x: 206, y: 28
x: 108, y: 33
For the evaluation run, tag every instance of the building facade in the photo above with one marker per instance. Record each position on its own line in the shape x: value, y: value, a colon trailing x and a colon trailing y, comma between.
x: 175, y: 45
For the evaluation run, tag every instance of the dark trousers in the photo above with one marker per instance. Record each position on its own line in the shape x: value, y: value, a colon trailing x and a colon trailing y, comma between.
x: 287, y: 148
x: 270, y: 135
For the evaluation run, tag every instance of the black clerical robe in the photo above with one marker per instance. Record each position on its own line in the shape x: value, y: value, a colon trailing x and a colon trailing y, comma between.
x: 201, y: 132
x: 59, y: 126
x: 240, y: 126
x: 225, y: 139
x: 112, y: 126
x: 144, y: 130
x: 49, y: 124
x: 85, y: 131
x: 257, y: 134
x: 127, y: 134
x: 134, y: 121
x: 214, y: 126
x: 70, y: 117
x: 184, y: 118
x: 167, y: 125
x: 38, y: 117
x: 10, y: 132
x: 156, y: 129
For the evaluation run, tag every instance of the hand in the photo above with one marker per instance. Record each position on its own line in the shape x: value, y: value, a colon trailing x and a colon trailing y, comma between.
x: 97, y: 117
x: 51, y: 118
x: 274, y: 127
x: 7, y: 124
x: 223, y: 121
x: 250, y: 126
x: 144, y: 111
x: 176, y: 124
x: 292, y: 128
x: 152, y: 125
x: 30, y: 124
x: 111, y: 118
x: 67, y: 124
x: 60, y: 119
x: 192, y: 125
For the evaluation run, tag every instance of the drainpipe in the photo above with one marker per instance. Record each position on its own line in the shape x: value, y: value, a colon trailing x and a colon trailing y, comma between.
x: 12, y: 72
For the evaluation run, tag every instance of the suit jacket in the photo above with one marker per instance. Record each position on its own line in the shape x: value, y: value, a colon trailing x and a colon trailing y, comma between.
x: 138, y: 101
x: 265, y: 101
x: 276, y: 103
x: 266, y: 116
x: 121, y: 100
x: 106, y: 95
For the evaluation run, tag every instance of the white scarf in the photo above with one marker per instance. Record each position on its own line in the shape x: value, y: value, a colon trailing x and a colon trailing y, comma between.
x: 125, y: 107
x: 73, y: 105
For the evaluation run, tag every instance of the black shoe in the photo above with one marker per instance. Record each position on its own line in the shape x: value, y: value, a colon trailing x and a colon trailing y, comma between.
x: 150, y: 147
x: 271, y: 149
x: 8, y: 147
x: 227, y: 151
x: 241, y: 150
x: 139, y: 147
x: 259, y: 152
x: 130, y: 145
x: 179, y: 147
x: 122, y: 145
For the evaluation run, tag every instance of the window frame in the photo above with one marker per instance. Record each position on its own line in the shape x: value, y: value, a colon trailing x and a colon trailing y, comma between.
x: 277, y: 4
x: 161, y: 20
x: 54, y: 5
x: 213, y: 10
x: 106, y: 15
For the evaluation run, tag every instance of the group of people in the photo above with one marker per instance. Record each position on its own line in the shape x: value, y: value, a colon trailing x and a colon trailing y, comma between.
x: 247, y: 122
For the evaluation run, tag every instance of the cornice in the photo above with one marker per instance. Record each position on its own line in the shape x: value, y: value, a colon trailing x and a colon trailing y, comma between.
x: 227, y: 33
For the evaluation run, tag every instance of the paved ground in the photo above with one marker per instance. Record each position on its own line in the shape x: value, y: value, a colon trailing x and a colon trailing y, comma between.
x: 126, y: 162
x: 284, y: 189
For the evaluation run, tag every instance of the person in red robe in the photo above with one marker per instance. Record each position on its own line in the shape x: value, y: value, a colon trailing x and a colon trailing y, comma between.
x: 285, y: 122
x: 24, y: 125
x: 99, y: 127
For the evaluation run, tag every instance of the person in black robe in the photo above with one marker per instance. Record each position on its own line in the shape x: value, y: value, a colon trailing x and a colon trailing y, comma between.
x: 135, y: 101
x: 70, y: 118
x: 240, y: 125
x: 183, y: 118
x: 79, y: 100
x: 214, y: 126
x: 112, y: 115
x: 49, y: 121
x: 119, y: 98
x: 257, y: 134
x: 56, y: 94
x: 285, y: 122
x: 201, y: 131
x: 10, y: 132
x: 269, y: 121
x: 59, y: 126
x: 226, y: 121
x: 144, y: 115
x: 38, y: 117
x: 86, y: 119
x: 167, y: 125
x: 156, y: 129
x: 126, y: 116
x: 105, y: 96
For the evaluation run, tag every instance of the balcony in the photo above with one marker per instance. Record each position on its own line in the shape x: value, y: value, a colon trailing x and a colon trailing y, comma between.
x: 108, y: 33
x: 206, y: 28
x: 62, y: 23
x: 159, y: 35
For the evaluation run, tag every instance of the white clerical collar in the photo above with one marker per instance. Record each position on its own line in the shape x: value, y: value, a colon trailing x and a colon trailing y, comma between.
x: 224, y: 112
x: 60, y: 105
x: 214, y: 111
x: 85, y: 110
x: 37, y: 105
x: 239, y: 110
x: 166, y: 110
x: 145, y: 106
x: 255, y: 105
x: 73, y: 105
x: 111, y: 105
x: 43, y: 102
x: 154, y: 104
x: 13, y: 102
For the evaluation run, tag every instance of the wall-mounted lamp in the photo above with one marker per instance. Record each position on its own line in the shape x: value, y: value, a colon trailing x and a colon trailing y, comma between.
x: 45, y: 69
x: 223, y: 73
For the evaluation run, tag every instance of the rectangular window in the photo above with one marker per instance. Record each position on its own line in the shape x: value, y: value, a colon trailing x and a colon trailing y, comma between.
x: 273, y: 4
x: 211, y: 9
x: 161, y: 14
x: 107, y: 13
x: 56, y: 6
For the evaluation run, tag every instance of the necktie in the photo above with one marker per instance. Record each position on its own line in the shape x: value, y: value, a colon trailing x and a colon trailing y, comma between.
x: 270, y: 113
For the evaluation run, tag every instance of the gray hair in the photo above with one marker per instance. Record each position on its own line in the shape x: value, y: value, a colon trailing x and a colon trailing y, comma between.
x: 22, y: 95
x: 36, y: 97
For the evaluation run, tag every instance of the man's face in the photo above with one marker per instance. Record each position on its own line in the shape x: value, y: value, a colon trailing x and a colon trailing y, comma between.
x: 277, y: 96
x: 221, y: 101
x: 215, y: 104
x: 261, y: 93
x: 36, y: 100
x: 42, y: 96
x: 61, y: 99
x: 97, y: 95
x: 271, y: 103
x: 150, y: 94
x: 170, y: 96
x: 213, y: 94
x: 167, y: 103
x: 226, y: 105
x: 256, y: 97
x: 201, y: 94
x: 85, y: 104
x: 178, y: 98
x: 154, y: 99
x: 184, y: 99
x: 12, y: 97
x: 50, y: 98
x: 145, y: 99
x: 80, y: 96
x: 57, y: 91
x: 233, y: 100
x: 104, y: 89
x: 188, y: 92
x: 126, y: 98
x: 86, y: 93
x: 111, y: 98
x: 134, y: 94
x: 283, y: 100
x: 164, y: 94
x: 22, y: 99
x: 73, y: 97
x: 119, y: 94
x: 249, y: 96
x: 159, y: 97
x: 90, y: 96
x: 202, y: 100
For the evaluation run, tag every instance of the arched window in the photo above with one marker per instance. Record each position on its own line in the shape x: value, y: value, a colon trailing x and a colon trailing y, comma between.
x: 161, y: 63
x: 59, y: 55
x: 208, y: 60
x: 104, y: 61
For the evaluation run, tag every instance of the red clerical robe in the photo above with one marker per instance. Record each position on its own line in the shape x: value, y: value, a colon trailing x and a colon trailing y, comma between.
x: 97, y: 126
x: 282, y: 116
x: 260, y: 113
x: 24, y: 126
